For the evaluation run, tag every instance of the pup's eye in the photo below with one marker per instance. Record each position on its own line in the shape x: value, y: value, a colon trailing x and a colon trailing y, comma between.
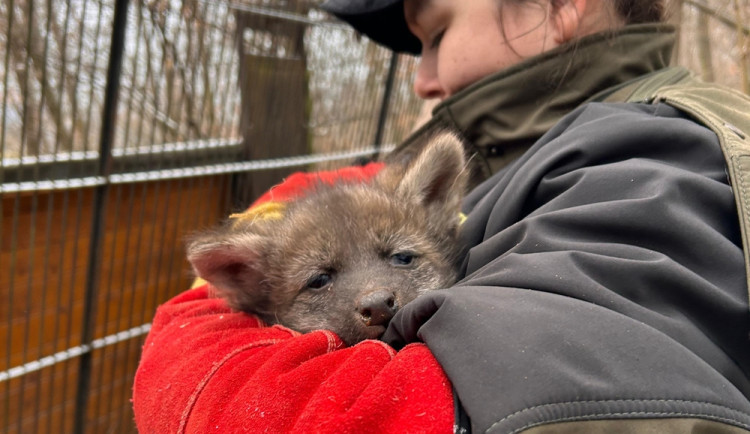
x: 320, y: 281
x: 402, y: 259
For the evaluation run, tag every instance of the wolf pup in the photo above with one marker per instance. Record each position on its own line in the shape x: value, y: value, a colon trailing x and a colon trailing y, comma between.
x: 348, y: 256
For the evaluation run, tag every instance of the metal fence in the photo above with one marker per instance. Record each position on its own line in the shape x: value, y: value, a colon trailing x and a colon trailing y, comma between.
x: 124, y: 125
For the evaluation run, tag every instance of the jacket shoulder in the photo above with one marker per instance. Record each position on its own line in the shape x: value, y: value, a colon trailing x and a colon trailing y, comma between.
x: 727, y: 113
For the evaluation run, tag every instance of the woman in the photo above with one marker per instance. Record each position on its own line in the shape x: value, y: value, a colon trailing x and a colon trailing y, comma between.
x: 604, y: 286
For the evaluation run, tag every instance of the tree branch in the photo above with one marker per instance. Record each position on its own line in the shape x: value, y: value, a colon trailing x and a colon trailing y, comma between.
x: 721, y: 17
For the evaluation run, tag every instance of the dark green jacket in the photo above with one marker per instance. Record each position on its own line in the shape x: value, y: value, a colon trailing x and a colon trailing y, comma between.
x: 604, y: 287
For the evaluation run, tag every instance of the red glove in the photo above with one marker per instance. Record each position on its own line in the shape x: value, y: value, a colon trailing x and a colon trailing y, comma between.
x: 205, y: 369
x: 298, y: 183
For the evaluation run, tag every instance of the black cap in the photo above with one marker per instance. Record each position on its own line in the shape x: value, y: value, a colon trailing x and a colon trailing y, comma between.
x: 380, y: 20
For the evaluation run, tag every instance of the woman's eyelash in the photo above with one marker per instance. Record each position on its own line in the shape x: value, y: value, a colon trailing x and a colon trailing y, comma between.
x: 436, y: 40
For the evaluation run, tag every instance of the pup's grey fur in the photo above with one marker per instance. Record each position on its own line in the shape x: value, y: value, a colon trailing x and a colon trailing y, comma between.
x: 346, y: 257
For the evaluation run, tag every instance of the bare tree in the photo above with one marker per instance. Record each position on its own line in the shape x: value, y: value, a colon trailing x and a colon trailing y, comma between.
x: 743, y: 42
x: 703, y: 40
x: 178, y: 79
x: 718, y: 32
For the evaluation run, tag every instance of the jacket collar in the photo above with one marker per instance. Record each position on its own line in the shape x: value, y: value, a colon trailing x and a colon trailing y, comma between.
x: 505, y: 113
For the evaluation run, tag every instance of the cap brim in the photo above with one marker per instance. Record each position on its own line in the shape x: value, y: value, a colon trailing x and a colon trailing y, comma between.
x: 382, y: 21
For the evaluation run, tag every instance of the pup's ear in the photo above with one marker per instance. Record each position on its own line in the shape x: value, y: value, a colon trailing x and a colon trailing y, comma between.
x: 234, y: 264
x: 437, y: 175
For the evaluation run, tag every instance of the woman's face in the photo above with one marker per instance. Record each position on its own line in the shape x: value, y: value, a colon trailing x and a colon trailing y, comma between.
x: 466, y: 40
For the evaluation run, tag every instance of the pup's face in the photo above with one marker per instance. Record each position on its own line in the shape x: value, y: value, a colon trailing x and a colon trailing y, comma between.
x: 345, y: 258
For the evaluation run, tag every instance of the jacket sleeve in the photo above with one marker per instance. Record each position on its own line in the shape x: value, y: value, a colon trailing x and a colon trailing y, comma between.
x: 604, y: 285
x: 205, y: 369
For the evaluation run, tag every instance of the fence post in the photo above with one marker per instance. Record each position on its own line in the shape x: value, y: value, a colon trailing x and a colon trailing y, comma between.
x: 106, y: 139
x: 383, y: 117
x: 275, y: 102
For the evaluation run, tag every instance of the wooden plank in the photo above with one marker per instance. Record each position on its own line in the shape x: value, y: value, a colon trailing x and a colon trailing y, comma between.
x: 143, y: 265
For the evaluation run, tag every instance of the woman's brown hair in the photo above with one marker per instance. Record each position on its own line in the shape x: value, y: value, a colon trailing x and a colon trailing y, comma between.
x: 641, y: 11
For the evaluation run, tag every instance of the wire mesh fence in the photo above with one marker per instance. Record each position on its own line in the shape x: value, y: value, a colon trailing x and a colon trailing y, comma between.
x: 125, y: 125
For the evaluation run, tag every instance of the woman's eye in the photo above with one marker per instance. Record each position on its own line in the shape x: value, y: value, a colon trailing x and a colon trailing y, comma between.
x: 402, y: 259
x: 437, y: 39
x: 320, y: 281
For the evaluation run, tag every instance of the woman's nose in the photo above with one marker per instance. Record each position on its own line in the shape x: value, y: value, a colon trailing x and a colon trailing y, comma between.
x: 426, y: 83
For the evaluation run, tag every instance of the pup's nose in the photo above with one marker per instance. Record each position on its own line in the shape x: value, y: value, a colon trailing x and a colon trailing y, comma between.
x: 377, y: 307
